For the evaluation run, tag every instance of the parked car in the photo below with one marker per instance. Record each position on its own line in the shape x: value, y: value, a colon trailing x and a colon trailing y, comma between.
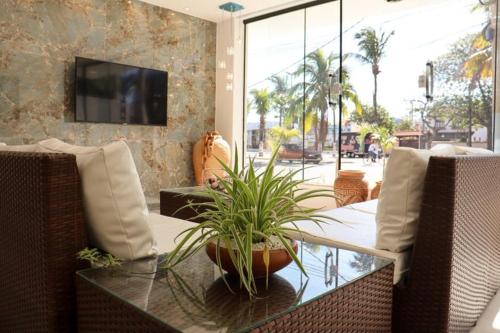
x: 293, y: 152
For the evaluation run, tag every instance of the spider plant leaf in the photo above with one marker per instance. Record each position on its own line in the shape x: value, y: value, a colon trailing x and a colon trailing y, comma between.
x: 180, y: 247
x: 219, y: 265
x: 266, y: 259
x: 292, y: 253
x: 254, y: 206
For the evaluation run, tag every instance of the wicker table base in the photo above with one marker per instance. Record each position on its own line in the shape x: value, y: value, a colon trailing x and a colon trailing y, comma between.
x: 362, y: 306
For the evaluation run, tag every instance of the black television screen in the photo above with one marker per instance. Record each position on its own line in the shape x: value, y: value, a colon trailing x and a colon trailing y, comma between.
x: 114, y: 93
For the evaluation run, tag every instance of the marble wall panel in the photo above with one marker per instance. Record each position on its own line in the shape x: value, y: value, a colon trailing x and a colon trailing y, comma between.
x: 39, y: 40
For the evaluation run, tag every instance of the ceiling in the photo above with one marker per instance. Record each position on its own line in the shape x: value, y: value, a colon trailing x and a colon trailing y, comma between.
x: 209, y: 9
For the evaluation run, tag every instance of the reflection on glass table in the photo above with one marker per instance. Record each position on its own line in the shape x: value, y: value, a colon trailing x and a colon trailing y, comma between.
x: 192, y: 297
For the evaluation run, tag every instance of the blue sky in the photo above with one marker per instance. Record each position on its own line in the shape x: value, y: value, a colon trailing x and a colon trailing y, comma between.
x: 423, y: 29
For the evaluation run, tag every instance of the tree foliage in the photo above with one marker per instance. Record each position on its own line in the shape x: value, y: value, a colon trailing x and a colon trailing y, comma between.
x: 372, y: 47
x: 261, y: 102
x: 317, y: 70
x: 406, y: 124
x: 464, y: 76
x: 382, y: 118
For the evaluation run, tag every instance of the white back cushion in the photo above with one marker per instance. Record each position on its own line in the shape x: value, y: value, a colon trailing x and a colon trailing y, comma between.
x: 115, y: 205
x: 472, y: 151
x: 400, y: 197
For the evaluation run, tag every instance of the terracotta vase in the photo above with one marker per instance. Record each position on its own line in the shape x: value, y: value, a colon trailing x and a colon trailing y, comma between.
x: 205, y: 151
x: 350, y: 187
x: 278, y: 259
x: 376, y: 190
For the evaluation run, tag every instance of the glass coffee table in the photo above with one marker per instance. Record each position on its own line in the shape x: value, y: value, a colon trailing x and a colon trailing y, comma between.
x: 344, y: 291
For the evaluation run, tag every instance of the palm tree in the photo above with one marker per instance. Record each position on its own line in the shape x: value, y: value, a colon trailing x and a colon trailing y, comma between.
x: 262, y: 103
x: 280, y: 95
x: 318, y: 68
x: 372, y: 48
x: 280, y: 135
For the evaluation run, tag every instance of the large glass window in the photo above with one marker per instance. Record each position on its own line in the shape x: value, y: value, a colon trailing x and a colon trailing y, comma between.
x: 423, y: 72
x: 274, y: 110
x: 291, y: 60
x: 413, y: 73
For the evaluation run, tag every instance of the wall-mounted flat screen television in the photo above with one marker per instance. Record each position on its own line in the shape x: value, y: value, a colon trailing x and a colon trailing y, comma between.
x: 107, y: 92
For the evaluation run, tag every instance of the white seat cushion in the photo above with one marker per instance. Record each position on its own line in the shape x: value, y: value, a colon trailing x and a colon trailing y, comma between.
x: 355, y: 231
x: 369, y: 207
x: 489, y: 322
x: 400, y: 197
x: 115, y: 205
x: 166, y: 229
x: 21, y: 148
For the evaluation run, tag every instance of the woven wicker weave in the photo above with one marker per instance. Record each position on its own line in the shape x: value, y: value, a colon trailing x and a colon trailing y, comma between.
x: 455, y: 269
x: 362, y: 306
x: 41, y: 229
x: 98, y: 311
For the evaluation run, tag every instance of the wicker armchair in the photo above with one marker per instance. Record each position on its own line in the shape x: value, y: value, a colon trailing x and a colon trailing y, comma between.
x: 454, y: 273
x: 455, y: 269
x: 41, y: 230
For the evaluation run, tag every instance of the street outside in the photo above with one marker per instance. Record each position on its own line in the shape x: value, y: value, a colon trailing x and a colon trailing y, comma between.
x: 324, y: 172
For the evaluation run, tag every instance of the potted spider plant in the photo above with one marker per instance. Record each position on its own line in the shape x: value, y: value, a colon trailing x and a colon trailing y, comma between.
x: 244, y: 229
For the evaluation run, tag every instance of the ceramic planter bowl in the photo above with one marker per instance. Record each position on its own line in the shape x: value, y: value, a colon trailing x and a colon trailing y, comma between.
x: 278, y: 259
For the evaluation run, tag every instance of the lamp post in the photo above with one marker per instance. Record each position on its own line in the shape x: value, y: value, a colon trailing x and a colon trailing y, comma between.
x: 422, y: 111
x: 334, y: 93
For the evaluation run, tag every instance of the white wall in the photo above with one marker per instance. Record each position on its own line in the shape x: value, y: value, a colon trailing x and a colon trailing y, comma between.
x: 229, y: 103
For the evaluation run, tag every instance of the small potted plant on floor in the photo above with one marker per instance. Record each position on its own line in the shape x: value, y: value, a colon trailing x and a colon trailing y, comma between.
x: 244, y: 229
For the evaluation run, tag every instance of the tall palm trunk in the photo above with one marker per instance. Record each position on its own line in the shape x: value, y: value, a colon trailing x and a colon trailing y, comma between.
x: 487, y: 109
x: 323, y: 129
x: 375, y: 90
x: 262, y: 129
x: 316, y: 136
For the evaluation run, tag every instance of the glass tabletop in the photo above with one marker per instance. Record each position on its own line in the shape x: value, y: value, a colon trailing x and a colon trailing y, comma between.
x: 192, y: 297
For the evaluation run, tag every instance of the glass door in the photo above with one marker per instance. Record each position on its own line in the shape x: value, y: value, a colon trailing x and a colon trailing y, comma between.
x: 292, y: 59
x: 322, y: 67
x: 423, y: 72
x: 274, y: 105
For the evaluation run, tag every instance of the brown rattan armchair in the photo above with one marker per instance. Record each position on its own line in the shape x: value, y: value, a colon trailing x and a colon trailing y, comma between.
x: 41, y: 230
x: 455, y: 269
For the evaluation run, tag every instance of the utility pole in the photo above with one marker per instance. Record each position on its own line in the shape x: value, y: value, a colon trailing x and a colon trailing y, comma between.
x: 470, y: 119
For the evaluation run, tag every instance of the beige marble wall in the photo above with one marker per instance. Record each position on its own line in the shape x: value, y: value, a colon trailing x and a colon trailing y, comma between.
x: 38, y: 42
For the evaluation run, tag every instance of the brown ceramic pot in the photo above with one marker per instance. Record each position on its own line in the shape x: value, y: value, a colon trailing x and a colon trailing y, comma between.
x: 376, y: 190
x: 350, y: 187
x: 278, y: 259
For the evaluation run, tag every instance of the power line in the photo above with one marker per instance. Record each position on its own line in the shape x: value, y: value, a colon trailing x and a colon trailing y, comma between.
x: 412, y: 13
x: 299, y: 61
